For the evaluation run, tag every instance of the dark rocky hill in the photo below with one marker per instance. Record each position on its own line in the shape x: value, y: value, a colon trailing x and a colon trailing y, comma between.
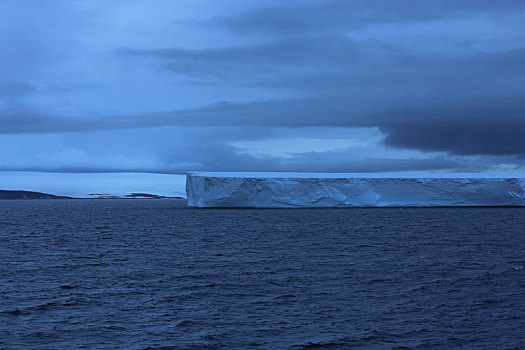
x: 28, y: 195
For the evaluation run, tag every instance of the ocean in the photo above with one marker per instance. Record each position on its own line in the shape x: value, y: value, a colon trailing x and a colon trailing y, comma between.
x: 153, y: 274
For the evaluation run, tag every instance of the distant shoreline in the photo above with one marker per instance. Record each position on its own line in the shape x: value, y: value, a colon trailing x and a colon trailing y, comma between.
x: 24, y: 195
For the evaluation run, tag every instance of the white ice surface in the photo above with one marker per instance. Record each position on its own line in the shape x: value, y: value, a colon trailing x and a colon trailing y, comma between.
x: 281, y: 190
x: 82, y: 185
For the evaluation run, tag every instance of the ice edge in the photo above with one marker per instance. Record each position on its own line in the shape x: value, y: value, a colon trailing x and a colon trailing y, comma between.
x: 311, y: 190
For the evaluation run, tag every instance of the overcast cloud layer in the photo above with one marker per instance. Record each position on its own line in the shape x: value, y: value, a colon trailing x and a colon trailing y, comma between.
x: 170, y: 86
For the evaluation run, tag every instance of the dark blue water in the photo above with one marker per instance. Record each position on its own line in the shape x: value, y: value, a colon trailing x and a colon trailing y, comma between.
x: 136, y: 274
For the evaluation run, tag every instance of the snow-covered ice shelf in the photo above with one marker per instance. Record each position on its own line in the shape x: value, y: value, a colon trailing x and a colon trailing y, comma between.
x: 306, y: 190
x: 93, y: 185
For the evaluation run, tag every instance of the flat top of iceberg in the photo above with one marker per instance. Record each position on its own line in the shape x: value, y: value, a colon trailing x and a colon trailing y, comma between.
x: 397, y: 175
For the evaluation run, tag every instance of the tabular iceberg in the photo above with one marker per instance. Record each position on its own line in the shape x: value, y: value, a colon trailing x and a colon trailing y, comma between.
x: 308, y: 190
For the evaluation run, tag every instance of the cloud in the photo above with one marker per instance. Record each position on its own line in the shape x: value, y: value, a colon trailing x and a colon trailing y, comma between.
x: 303, y: 17
x: 433, y: 77
x: 337, y: 62
x: 492, y: 126
x: 15, y: 89
x: 466, y: 103
x: 286, y: 52
x: 12, y: 93
x: 177, y: 150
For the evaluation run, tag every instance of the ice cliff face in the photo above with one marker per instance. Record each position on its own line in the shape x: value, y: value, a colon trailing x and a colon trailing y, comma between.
x: 301, y: 190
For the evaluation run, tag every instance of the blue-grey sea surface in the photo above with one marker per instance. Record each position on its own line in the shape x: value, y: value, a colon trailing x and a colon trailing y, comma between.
x: 153, y: 274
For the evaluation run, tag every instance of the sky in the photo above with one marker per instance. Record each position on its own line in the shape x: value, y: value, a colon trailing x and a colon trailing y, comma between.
x: 170, y: 86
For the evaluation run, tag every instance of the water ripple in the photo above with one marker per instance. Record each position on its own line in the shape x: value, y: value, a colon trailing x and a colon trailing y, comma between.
x: 152, y: 274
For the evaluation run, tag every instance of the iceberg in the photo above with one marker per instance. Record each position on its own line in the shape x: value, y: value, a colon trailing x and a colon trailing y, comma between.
x: 323, y: 190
